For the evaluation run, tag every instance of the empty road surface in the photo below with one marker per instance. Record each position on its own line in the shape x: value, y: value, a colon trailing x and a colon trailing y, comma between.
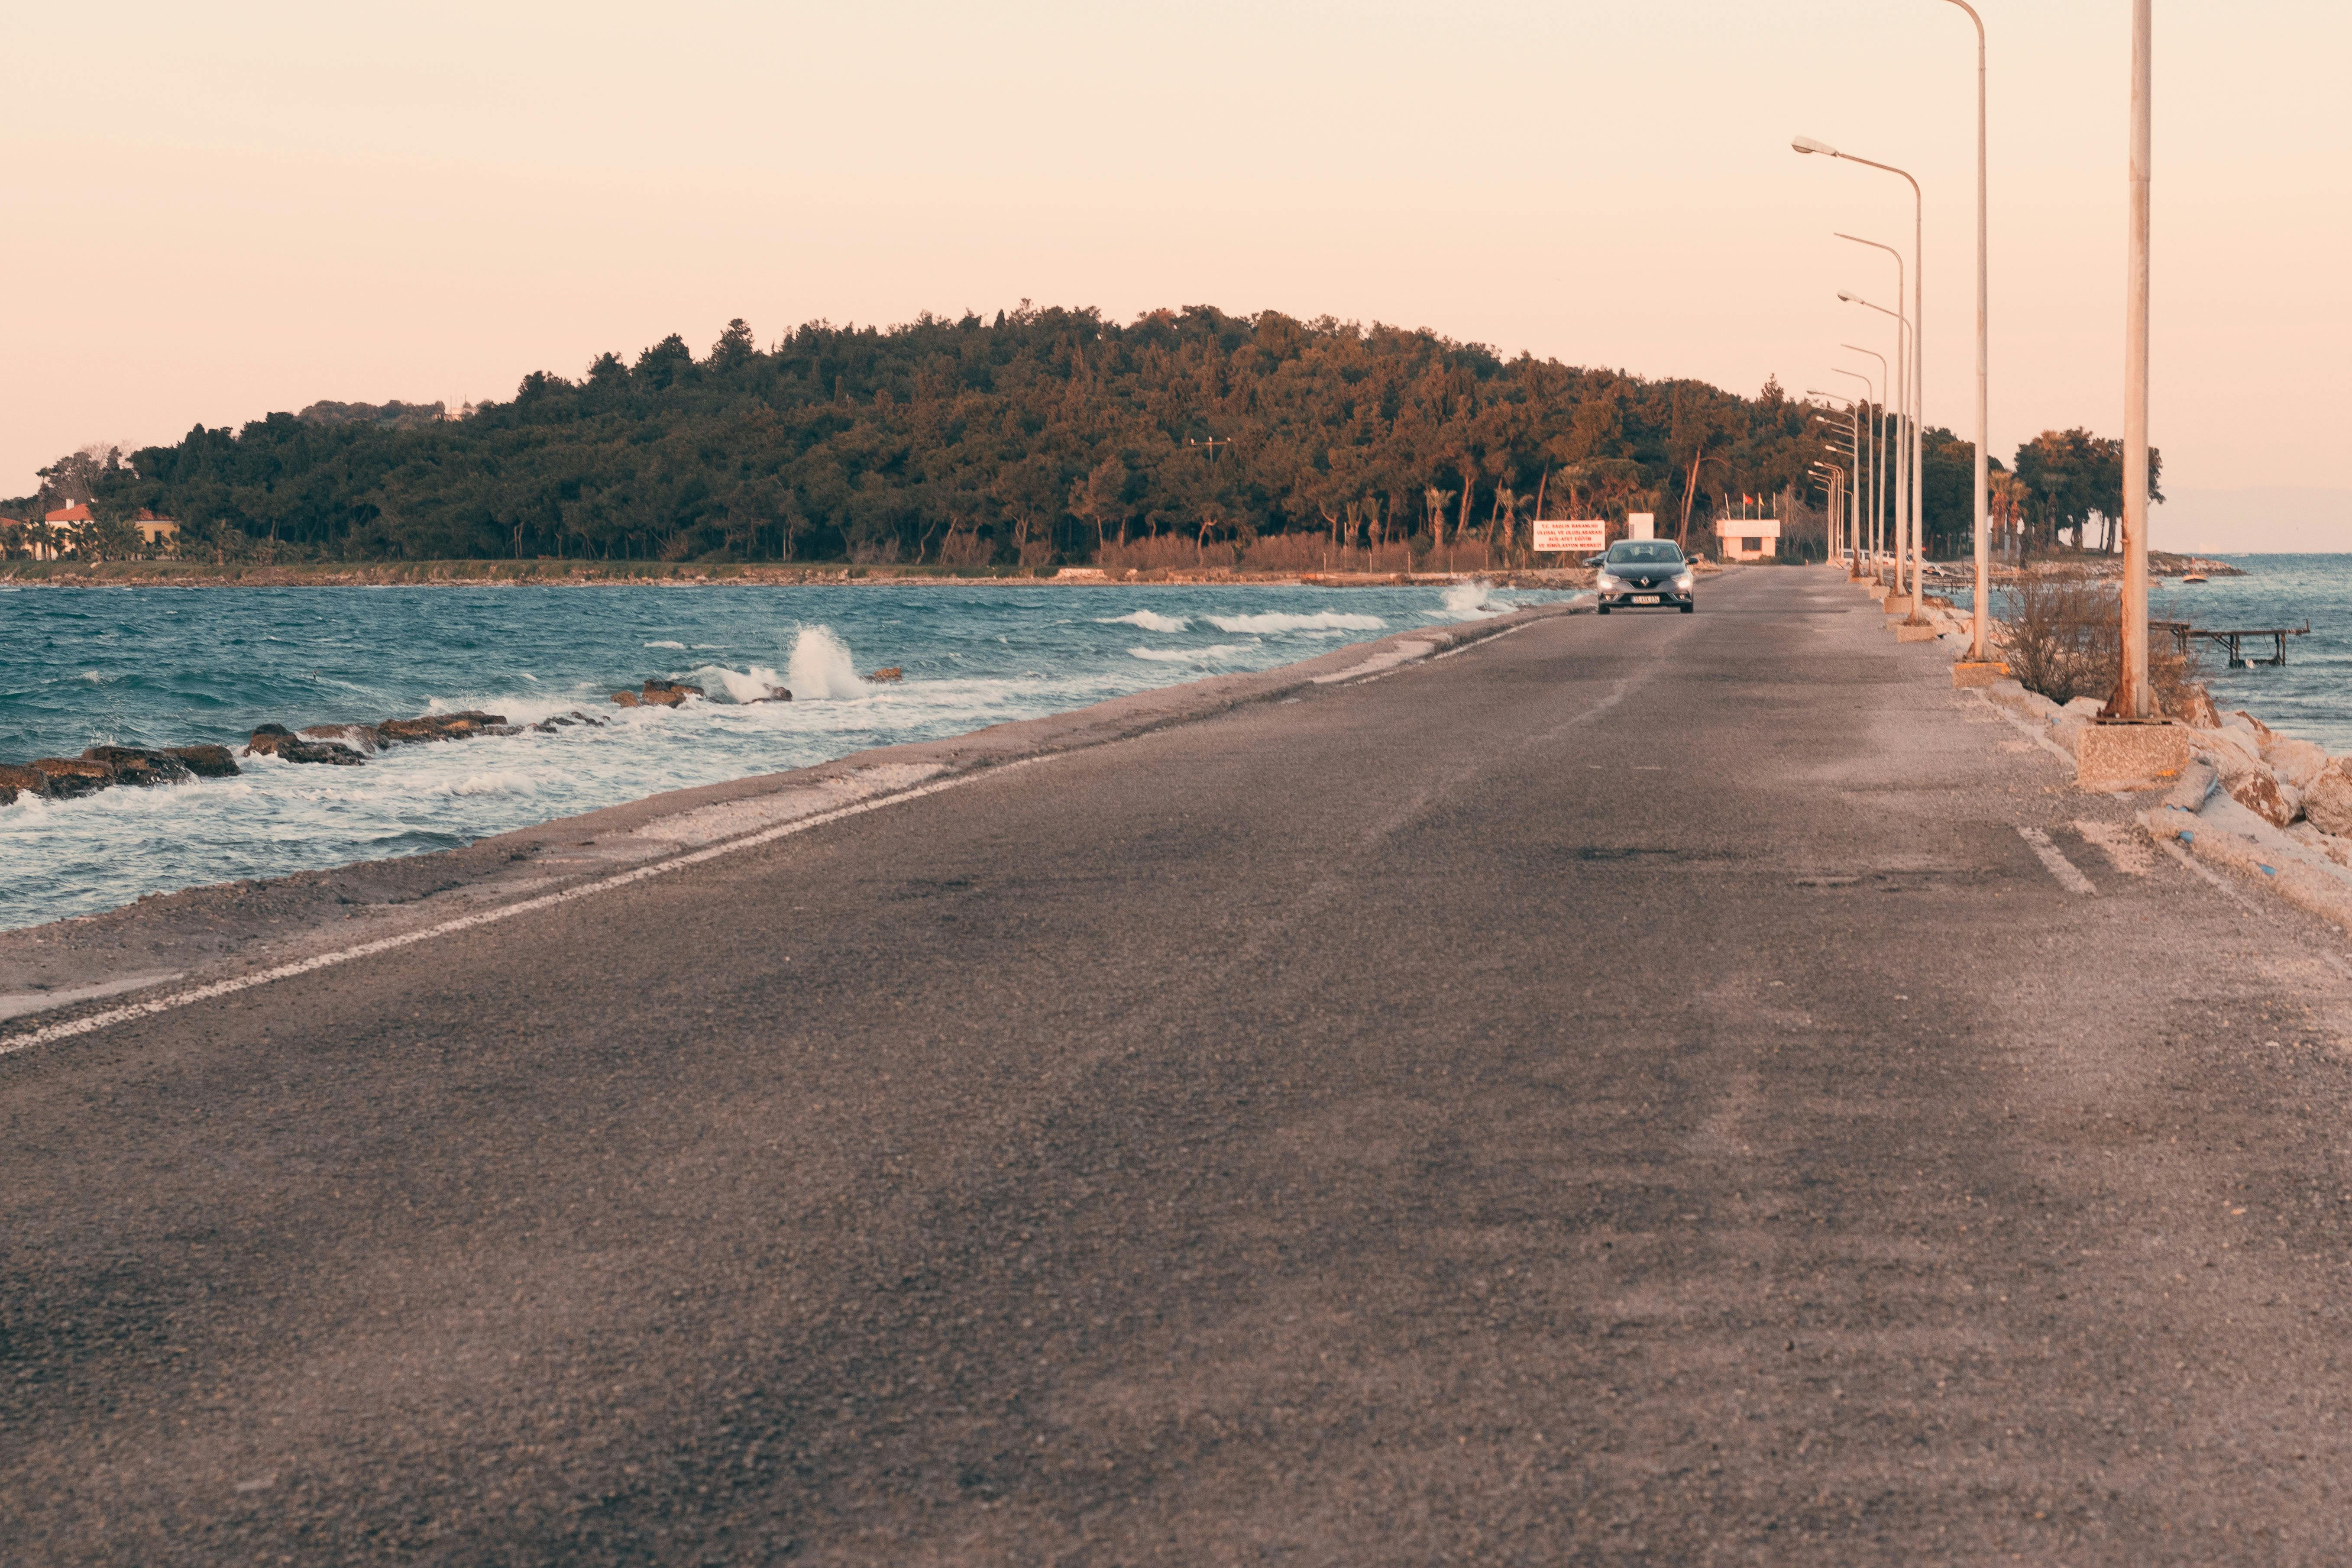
x: 1679, y: 1090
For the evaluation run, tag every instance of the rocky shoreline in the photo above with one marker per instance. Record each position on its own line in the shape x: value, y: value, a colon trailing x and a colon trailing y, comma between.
x: 329, y: 745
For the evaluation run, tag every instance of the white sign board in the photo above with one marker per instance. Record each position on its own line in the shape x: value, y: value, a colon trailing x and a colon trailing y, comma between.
x: 1640, y: 525
x: 1587, y: 534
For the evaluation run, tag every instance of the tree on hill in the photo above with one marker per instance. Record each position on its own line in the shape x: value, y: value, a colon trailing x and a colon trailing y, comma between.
x: 1043, y: 434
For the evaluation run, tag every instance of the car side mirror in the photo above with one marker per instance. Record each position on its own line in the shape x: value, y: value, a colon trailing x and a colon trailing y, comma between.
x: 1594, y: 560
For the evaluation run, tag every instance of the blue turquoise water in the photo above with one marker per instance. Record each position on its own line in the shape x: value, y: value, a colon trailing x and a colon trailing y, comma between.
x: 2312, y: 695
x: 173, y: 666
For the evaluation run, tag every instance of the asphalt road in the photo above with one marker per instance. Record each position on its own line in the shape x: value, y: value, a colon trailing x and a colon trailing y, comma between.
x: 1627, y: 1091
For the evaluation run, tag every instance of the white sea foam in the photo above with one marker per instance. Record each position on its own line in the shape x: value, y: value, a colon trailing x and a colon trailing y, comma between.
x: 1151, y: 621
x: 502, y: 781
x: 738, y: 686
x: 1279, y: 621
x: 529, y: 676
x: 665, y: 645
x: 820, y: 667
x: 1213, y: 652
x: 1471, y: 602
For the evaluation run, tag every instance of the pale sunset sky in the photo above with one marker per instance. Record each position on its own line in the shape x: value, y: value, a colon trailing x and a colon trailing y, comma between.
x: 220, y: 211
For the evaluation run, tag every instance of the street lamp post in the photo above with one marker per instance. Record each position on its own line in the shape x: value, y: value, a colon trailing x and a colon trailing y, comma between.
x: 1877, y: 477
x: 1979, y: 626
x: 1918, y: 338
x: 1853, y: 416
x: 2130, y: 700
x: 1834, y: 486
x: 1906, y: 418
x: 1862, y: 435
x: 1901, y: 382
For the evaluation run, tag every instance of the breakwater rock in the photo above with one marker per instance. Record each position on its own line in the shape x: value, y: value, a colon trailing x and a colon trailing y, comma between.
x: 329, y: 745
x: 104, y: 767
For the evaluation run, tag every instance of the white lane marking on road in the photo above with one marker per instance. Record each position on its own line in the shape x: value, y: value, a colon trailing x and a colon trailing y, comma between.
x: 2126, y: 848
x: 2073, y: 880
x: 17, y: 1003
x: 1349, y: 678
x: 11, y: 1044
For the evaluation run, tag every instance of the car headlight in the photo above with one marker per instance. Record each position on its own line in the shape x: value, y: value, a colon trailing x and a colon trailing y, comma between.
x: 1607, y: 583
x: 1687, y: 581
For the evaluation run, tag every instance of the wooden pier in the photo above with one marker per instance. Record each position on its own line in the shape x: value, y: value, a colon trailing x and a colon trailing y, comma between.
x: 2230, y: 639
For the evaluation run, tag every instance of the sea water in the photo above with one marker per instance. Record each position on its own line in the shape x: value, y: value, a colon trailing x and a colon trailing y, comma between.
x: 2311, y: 694
x: 159, y: 666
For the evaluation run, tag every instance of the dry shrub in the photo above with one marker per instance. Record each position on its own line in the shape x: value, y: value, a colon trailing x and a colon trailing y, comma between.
x: 1161, y: 552
x: 2064, y: 639
x: 1316, y: 552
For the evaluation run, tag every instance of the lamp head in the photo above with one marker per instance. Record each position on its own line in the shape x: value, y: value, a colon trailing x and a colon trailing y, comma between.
x: 1846, y: 298
x: 1808, y: 144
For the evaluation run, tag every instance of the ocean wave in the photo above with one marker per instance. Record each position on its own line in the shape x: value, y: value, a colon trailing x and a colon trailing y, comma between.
x: 1471, y: 602
x: 1151, y: 621
x: 502, y: 781
x: 665, y: 645
x: 821, y: 667
x: 1281, y: 621
x: 738, y: 685
x: 1214, y: 651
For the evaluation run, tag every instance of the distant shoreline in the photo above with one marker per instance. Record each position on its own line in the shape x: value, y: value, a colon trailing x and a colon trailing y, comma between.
x: 609, y: 574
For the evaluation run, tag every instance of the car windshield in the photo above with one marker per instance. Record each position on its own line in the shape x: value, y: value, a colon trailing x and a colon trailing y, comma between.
x: 1645, y: 552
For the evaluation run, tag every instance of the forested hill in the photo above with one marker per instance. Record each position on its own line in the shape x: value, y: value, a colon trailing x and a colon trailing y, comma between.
x: 1032, y: 436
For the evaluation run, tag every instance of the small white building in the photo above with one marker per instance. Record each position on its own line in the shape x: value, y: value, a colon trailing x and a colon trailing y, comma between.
x: 1748, y: 538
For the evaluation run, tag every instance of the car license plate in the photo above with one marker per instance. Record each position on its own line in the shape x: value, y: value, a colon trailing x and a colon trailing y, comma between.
x: 1645, y: 599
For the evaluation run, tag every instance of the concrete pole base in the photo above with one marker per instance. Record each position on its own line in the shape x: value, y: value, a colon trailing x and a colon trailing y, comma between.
x: 2130, y: 756
x: 1969, y: 673
x: 1906, y: 631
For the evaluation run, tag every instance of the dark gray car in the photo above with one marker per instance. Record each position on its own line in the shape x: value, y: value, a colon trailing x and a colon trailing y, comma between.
x: 1645, y: 572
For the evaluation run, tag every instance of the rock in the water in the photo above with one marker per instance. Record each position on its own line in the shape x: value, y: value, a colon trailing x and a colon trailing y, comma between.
x: 775, y: 694
x: 625, y: 699
x: 667, y: 693
x: 278, y: 741
x: 891, y: 672
x: 205, y: 762
x: 443, y: 727
x: 139, y: 765
x: 360, y: 737
x: 65, y: 778
x: 333, y: 753
x: 2327, y: 799
x: 15, y: 780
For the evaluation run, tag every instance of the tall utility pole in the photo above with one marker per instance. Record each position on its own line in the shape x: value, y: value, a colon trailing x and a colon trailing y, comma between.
x: 2131, y: 698
x: 1980, y: 627
x: 1877, y: 479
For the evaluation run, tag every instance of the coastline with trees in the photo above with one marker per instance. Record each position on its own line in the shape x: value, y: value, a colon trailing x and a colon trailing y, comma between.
x: 1042, y: 437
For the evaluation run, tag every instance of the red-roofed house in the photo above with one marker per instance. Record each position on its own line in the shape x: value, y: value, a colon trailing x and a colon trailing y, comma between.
x: 65, y: 525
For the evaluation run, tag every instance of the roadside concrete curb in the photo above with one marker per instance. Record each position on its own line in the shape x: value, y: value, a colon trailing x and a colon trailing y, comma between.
x: 243, y: 930
x: 2220, y: 831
